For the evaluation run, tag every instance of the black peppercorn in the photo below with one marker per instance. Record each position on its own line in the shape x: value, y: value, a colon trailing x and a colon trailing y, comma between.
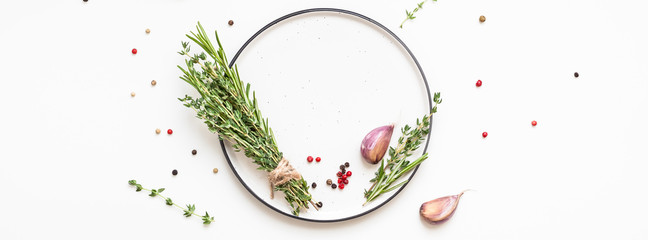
x: 341, y: 167
x: 193, y: 152
x: 174, y: 172
x: 576, y: 74
x: 230, y: 22
x: 346, y: 164
x: 85, y: 0
x: 333, y: 186
x: 329, y: 181
x: 343, y: 171
x: 314, y: 185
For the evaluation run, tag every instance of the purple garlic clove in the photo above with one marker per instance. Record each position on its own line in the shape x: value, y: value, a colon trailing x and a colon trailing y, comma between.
x: 441, y: 209
x: 375, y: 143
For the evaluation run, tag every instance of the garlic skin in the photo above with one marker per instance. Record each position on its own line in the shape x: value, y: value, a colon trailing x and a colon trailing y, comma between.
x: 375, y: 144
x: 441, y: 209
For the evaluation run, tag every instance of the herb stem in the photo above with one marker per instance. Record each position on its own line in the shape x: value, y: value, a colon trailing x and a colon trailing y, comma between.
x: 392, y: 168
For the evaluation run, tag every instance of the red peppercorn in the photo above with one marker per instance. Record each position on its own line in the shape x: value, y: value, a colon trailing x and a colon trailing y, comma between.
x: 170, y: 131
x: 339, y: 174
x: 345, y: 181
x: 309, y: 159
x: 341, y: 186
x: 484, y: 134
x: 348, y: 173
x: 344, y: 176
x: 533, y: 123
x: 134, y: 51
x: 479, y: 83
x: 318, y: 159
x: 340, y: 180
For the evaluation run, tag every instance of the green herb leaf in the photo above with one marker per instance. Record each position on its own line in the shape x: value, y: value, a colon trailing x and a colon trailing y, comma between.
x: 393, y: 167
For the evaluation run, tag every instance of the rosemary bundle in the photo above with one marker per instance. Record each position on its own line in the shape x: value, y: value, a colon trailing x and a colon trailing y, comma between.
x: 226, y: 107
x: 397, y: 164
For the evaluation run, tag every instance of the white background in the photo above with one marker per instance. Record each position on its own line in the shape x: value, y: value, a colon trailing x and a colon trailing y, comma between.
x: 72, y: 136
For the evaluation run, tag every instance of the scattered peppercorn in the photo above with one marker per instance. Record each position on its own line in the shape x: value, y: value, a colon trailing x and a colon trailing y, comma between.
x: 174, y: 172
x: 157, y: 131
x: 341, y: 167
x: 132, y: 94
x: 318, y: 159
x: 339, y: 180
x: 339, y: 174
x: 346, y: 164
x: 329, y: 181
x: 479, y: 83
x: 348, y: 173
x: 484, y: 134
x: 215, y: 170
x: 534, y: 123
x: 482, y: 18
x: 169, y: 131
x: 333, y: 186
x: 153, y: 82
x: 85, y: 0
x: 345, y: 181
x: 194, y: 152
x: 341, y: 185
x: 318, y: 204
x: 134, y: 51
x: 576, y: 74
x: 230, y: 22
x: 309, y: 159
x: 148, y: 30
x: 343, y: 171
x: 314, y: 185
x: 344, y: 177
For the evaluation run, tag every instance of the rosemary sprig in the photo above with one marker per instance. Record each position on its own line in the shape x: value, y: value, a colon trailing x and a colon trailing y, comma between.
x: 188, y: 212
x: 226, y: 107
x: 393, y: 168
x: 410, y: 15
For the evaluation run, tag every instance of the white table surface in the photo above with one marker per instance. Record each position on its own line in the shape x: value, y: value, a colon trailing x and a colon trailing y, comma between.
x: 71, y: 135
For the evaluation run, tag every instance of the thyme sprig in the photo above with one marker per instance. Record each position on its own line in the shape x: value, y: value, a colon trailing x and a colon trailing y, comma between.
x: 410, y: 15
x: 227, y: 108
x: 187, y: 212
x: 397, y: 164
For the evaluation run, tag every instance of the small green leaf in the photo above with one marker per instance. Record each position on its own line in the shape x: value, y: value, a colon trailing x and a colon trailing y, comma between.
x: 169, y: 202
x: 160, y: 190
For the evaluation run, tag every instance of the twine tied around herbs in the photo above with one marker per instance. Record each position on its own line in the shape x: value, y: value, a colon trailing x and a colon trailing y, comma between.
x: 283, y: 173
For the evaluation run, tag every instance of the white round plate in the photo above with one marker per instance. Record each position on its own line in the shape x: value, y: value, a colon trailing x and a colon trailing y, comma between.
x: 324, y: 78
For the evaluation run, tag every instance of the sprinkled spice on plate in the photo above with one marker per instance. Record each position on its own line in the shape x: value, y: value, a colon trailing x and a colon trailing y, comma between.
x: 174, y: 172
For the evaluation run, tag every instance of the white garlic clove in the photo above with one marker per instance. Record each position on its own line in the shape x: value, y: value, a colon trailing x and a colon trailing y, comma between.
x: 441, y: 209
x: 375, y: 143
